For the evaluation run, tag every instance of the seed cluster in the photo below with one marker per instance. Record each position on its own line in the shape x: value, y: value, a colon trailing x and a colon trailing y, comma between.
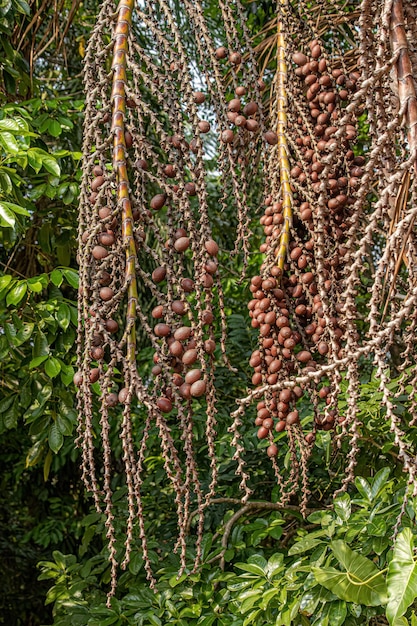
x: 149, y: 262
x: 298, y: 310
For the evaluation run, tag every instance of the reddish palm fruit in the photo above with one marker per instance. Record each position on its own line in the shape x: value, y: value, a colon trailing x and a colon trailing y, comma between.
x: 100, y: 253
x: 78, y: 379
x: 162, y: 330
x: 128, y: 139
x: 106, y: 293
x: 111, y: 326
x: 235, y: 58
x: 158, y: 201
x: 187, y: 285
x: 199, y: 97
x: 234, y: 105
x: 203, y: 126
x: 123, y: 394
x: 221, y: 53
x: 158, y: 312
x: 111, y: 400
x: 185, y: 391
x: 182, y: 244
x: 164, y: 404
x: 192, y: 376
x: 190, y: 356
x: 272, y: 450
x: 158, y: 275
x: 252, y: 125
x: 198, y: 389
x: 271, y: 138
x: 178, y: 307
x: 250, y: 108
x: 227, y: 136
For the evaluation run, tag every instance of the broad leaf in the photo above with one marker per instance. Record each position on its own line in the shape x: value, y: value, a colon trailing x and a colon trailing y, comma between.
x: 16, y: 294
x: 401, y: 577
x: 342, y: 507
x: 52, y: 367
x: 361, y: 582
x: 55, y: 437
x: 7, y: 217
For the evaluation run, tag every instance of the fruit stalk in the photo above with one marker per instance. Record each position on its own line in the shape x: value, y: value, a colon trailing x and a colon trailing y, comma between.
x: 404, y: 70
x: 124, y: 22
x: 284, y: 166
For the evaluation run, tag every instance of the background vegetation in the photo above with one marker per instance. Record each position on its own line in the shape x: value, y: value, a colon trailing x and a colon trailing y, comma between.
x: 262, y: 564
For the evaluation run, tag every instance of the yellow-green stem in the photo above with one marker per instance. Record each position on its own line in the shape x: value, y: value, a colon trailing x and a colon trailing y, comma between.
x: 124, y: 22
x: 283, y: 162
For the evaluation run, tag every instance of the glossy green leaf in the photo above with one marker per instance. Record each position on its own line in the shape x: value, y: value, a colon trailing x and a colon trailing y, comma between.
x: 34, y: 160
x: 7, y: 217
x: 5, y: 281
x: 41, y: 346
x: 308, y: 542
x: 17, y: 293
x: 52, y: 367
x: 71, y: 276
x: 55, y: 438
x: 51, y: 165
x: 9, y: 143
x: 63, y: 315
x: 342, y: 507
x: 37, y: 360
x: 34, y: 454
x: 22, y: 6
x: 364, y: 488
x: 54, y: 128
x: 56, y: 278
x: 361, y: 582
x: 9, y: 124
x: 402, y: 576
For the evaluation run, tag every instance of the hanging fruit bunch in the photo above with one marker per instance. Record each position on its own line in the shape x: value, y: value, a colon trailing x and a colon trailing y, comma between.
x: 296, y: 299
x: 145, y: 235
x: 331, y: 219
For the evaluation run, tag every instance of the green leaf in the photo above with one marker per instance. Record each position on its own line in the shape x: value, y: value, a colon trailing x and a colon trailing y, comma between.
x: 7, y: 217
x: 5, y: 281
x: 251, y: 568
x: 41, y: 346
x: 8, y: 142
x: 306, y: 543
x: 342, y: 507
x: 51, y: 165
x: 37, y: 361
x: 63, y: 315
x: 6, y: 184
x: 16, y: 294
x: 361, y: 582
x: 47, y: 465
x: 34, y: 454
x: 9, y: 124
x: 52, y: 367
x: 401, y: 577
x: 364, y: 488
x: 22, y: 6
x: 56, y: 278
x: 5, y: 403
x: 34, y: 159
x: 55, y: 438
x: 11, y: 416
x: 71, y: 276
x: 337, y: 613
x: 54, y: 128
